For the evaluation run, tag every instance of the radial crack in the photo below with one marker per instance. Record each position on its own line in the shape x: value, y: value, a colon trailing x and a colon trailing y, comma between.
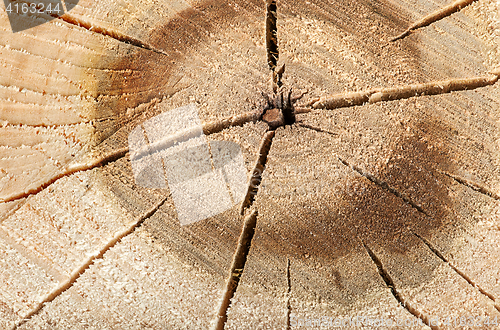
x: 208, y: 128
x: 390, y: 284
x: 98, y: 162
x: 109, y: 33
x: 237, y: 266
x: 64, y: 286
x: 342, y: 100
x: 385, y: 186
x: 473, y: 185
x: 271, y: 34
x: 240, y: 120
x: 256, y: 178
x: 272, y: 45
x: 403, y: 92
x: 317, y: 129
x: 192, y: 132
x: 435, y: 16
x: 459, y: 272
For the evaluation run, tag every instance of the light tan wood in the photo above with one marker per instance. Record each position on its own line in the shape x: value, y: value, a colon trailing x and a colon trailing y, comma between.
x: 385, y: 210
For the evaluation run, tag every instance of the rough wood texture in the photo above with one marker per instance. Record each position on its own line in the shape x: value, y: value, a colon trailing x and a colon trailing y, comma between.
x: 383, y: 206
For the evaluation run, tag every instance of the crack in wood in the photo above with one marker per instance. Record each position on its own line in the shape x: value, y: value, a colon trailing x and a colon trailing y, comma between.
x: 331, y: 102
x: 208, y: 129
x: 434, y: 17
x: 64, y: 286
x: 468, y: 279
x: 473, y: 185
x: 317, y: 129
x: 390, y: 284
x: 384, y: 185
x: 98, y: 162
x: 239, y: 120
x: 272, y: 34
x: 256, y: 177
x: 237, y: 267
x: 272, y: 46
x: 402, y: 92
x: 110, y: 33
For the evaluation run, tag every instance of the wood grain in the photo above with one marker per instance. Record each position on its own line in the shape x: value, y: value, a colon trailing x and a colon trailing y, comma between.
x: 380, y: 210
